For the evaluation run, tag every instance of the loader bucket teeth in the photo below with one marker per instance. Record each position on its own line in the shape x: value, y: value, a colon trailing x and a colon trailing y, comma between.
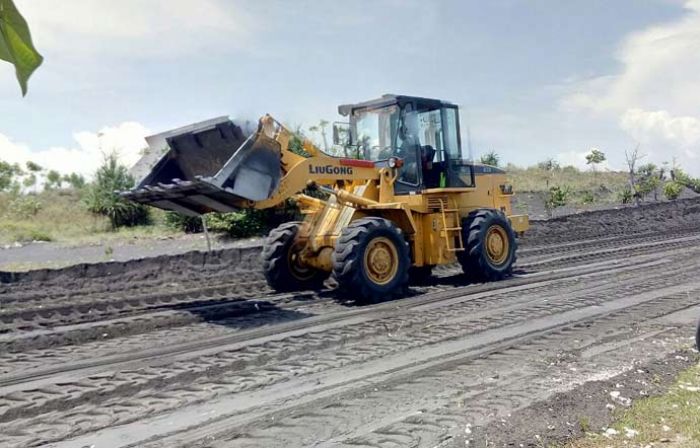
x: 212, y: 166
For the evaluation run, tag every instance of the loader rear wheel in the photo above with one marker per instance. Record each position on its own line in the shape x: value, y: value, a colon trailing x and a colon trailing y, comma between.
x: 371, y: 260
x: 283, y: 269
x: 490, y: 246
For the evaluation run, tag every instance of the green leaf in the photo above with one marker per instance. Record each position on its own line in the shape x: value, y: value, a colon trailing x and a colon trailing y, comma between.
x: 16, y: 45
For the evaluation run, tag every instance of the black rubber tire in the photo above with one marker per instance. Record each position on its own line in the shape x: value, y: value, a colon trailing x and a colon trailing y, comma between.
x: 279, y: 271
x: 420, y: 275
x: 474, y: 260
x: 697, y: 337
x: 348, y: 261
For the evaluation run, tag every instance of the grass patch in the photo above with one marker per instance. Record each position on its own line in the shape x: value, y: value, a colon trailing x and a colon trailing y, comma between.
x: 33, y: 265
x: 586, y: 186
x: 671, y: 420
x: 61, y: 216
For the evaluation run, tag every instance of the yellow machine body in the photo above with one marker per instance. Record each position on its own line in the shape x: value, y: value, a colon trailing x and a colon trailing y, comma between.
x: 405, y: 184
x: 428, y: 220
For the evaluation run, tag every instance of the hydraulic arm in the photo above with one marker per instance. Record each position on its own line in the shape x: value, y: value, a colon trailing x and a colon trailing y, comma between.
x: 261, y: 173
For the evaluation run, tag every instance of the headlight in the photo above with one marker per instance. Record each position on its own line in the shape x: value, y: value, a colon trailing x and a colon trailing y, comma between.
x: 392, y: 162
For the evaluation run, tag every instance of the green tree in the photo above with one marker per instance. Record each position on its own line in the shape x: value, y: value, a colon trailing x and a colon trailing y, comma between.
x: 321, y: 128
x: 594, y: 158
x: 53, y: 180
x: 649, y: 178
x: 76, y: 181
x: 632, y: 157
x: 8, y: 174
x: 33, y: 167
x: 102, y: 198
x: 16, y: 45
x: 490, y: 158
x: 549, y: 165
x: 29, y: 180
x: 31, y: 177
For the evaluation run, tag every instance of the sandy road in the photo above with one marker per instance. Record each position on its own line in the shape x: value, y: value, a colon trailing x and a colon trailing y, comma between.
x: 218, y: 361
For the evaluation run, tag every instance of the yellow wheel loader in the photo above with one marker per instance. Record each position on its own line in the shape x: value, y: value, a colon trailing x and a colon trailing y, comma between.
x: 400, y: 200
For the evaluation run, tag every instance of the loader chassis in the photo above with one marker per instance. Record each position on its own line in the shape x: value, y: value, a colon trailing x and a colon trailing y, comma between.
x: 420, y: 217
x: 402, y: 199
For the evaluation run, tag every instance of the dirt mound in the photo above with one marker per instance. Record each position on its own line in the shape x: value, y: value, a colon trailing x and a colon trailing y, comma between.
x: 651, y: 217
x: 655, y: 217
x: 164, y: 266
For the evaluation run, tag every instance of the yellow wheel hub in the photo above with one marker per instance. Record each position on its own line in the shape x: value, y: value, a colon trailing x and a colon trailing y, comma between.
x: 497, y: 244
x: 381, y: 260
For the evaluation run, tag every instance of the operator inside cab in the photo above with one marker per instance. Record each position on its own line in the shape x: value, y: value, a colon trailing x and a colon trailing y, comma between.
x: 408, y: 149
x: 414, y: 154
x: 423, y: 132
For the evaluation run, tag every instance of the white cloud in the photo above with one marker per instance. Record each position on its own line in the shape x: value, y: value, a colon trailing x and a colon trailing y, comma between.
x: 659, y: 64
x: 655, y: 97
x: 126, y: 139
x: 153, y: 28
x: 660, y: 129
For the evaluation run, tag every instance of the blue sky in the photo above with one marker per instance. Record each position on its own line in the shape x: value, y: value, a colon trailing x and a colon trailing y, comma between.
x: 535, y: 79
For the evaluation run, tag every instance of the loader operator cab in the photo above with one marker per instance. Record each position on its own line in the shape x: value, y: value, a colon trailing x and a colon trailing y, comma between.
x: 422, y: 132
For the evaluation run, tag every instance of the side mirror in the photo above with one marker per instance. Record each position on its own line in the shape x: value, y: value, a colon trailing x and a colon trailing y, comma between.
x: 341, y: 134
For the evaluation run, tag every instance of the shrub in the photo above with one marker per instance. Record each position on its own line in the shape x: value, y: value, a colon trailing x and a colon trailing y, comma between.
x: 38, y: 235
x: 241, y: 224
x: 24, y: 206
x: 490, y: 158
x: 649, y: 178
x: 570, y: 170
x: 187, y: 224
x: 679, y: 176
x: 556, y: 197
x: 101, y: 197
x: 75, y: 180
x: 672, y: 190
x: 587, y: 197
x: 24, y: 232
x: 296, y: 143
x: 625, y: 195
x: 252, y: 222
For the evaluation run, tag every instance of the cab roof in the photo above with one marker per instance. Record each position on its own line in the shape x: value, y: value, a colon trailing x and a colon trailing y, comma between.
x: 391, y: 99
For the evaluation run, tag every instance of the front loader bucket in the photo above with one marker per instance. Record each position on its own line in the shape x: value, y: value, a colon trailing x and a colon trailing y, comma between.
x: 207, y: 167
x: 254, y: 171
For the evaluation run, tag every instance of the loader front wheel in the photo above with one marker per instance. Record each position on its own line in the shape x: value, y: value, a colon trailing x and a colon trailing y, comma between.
x: 490, y: 246
x: 283, y: 269
x: 371, y: 260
